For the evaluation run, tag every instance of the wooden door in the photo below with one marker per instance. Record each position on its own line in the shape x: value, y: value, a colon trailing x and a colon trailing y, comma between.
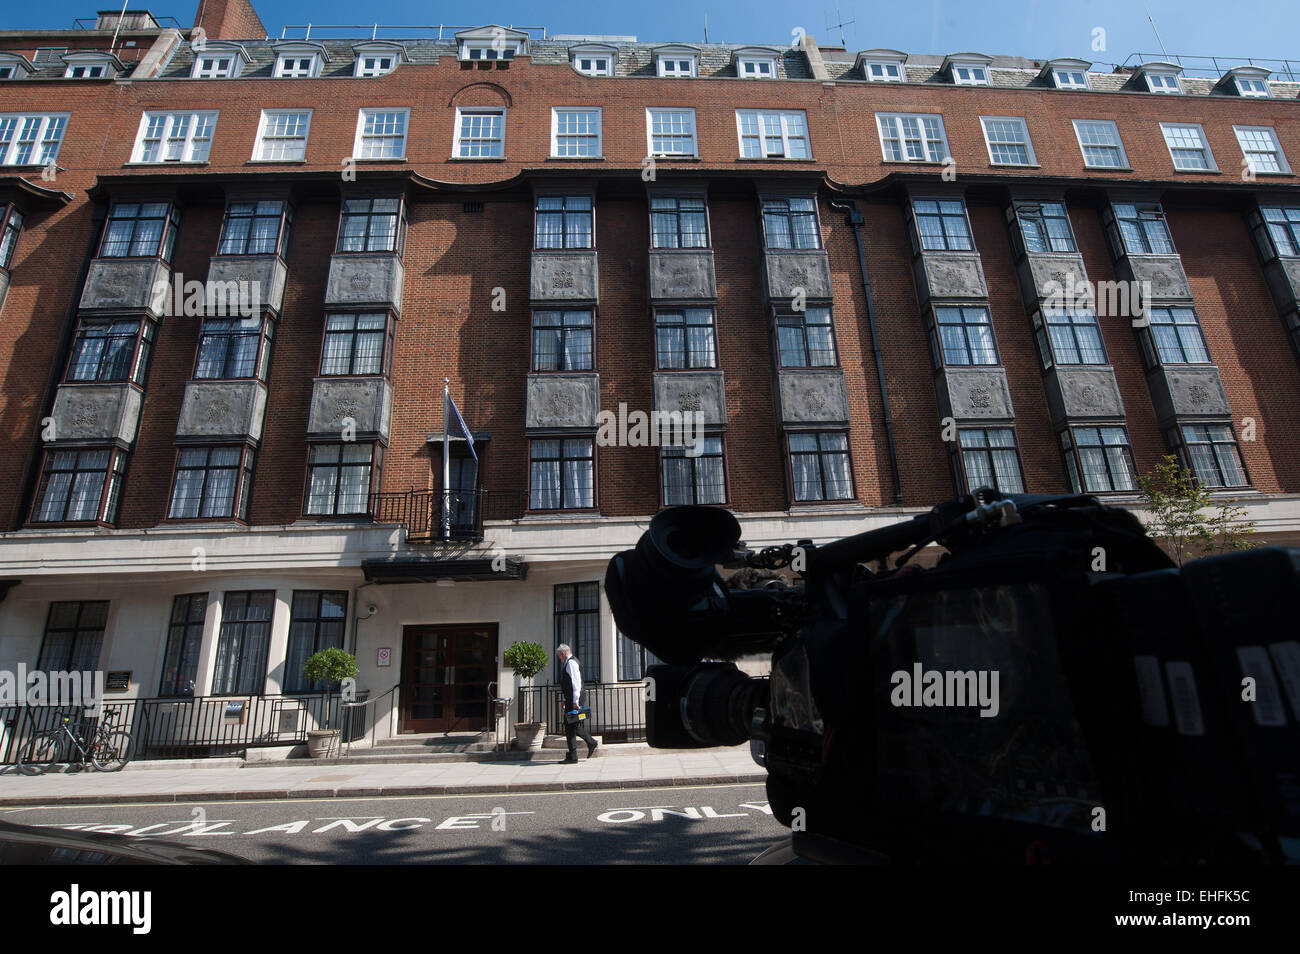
x: 445, y: 675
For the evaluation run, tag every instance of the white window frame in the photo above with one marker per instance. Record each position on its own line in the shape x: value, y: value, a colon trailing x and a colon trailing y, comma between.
x: 482, y: 50
x: 602, y: 64
x: 1026, y: 141
x: 784, y: 114
x: 971, y: 80
x: 86, y: 71
x: 8, y: 150
x: 1265, y: 93
x: 755, y: 61
x: 224, y: 68
x: 649, y: 132
x: 1163, y: 88
x: 885, y: 67
x: 462, y: 111
x: 1284, y: 166
x: 168, y: 136
x: 363, y: 114
x: 1117, y: 144
x: 896, y: 119
x: 362, y: 70
x: 663, y: 59
x: 555, y: 130
x: 259, y: 146
x: 1068, y: 82
x: 282, y: 70
x: 1167, y: 128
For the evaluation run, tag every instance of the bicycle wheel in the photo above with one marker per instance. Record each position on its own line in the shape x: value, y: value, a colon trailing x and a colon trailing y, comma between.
x: 112, y: 750
x: 43, y: 750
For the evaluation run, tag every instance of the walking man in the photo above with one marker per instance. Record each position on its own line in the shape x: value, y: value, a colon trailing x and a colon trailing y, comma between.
x: 573, y: 694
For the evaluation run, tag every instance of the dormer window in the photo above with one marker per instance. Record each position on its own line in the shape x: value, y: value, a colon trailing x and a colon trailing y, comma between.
x: 14, y: 67
x: 1070, y: 79
x: 296, y: 67
x: 594, y: 59
x: 378, y: 59
x: 593, y: 65
x: 86, y: 64
x: 491, y: 43
x: 676, y: 61
x: 968, y: 69
x: 882, y: 66
x: 1249, y: 81
x: 757, y: 63
x: 375, y: 65
x: 1252, y: 87
x: 219, y: 61
x: 1066, y: 73
x: 213, y: 67
x: 299, y: 60
x: 1162, y: 81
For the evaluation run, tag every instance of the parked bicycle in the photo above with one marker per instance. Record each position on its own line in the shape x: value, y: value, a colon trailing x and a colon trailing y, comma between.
x: 105, y: 747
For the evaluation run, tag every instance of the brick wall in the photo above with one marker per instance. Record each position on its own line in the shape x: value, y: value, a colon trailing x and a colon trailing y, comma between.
x: 455, y: 259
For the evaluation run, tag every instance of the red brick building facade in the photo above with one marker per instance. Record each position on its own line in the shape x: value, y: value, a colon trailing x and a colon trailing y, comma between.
x: 782, y: 241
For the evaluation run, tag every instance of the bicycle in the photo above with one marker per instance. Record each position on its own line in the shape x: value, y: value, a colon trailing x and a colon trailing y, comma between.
x: 107, y: 750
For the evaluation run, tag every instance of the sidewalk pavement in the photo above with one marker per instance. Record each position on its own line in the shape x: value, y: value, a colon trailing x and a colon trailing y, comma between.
x: 232, y: 779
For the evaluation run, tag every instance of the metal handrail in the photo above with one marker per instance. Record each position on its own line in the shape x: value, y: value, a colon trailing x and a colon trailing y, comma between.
x: 374, y: 28
x: 355, y: 705
x: 1217, y: 65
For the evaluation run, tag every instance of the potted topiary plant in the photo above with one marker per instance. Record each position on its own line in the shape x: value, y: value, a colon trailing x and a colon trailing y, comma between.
x: 329, y: 666
x: 527, y: 660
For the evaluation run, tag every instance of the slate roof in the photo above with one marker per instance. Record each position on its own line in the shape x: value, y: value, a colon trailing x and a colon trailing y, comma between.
x: 637, y: 59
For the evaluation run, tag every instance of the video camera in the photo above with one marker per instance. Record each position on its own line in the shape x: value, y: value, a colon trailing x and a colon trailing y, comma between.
x: 1054, y: 690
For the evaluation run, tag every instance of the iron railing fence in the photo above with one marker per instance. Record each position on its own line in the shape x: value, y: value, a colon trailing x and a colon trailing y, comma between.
x: 422, y: 512
x: 188, y: 727
x: 617, y: 709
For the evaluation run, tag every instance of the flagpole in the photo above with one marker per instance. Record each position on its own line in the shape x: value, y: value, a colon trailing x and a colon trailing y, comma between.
x: 446, y: 462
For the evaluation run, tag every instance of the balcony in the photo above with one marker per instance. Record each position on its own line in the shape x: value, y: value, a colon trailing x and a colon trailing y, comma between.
x: 570, y: 275
x: 422, y: 513
x: 682, y: 275
x: 128, y: 284
x: 949, y: 275
x: 369, y: 280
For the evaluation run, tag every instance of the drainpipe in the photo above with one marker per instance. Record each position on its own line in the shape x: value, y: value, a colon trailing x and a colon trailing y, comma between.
x: 854, y: 219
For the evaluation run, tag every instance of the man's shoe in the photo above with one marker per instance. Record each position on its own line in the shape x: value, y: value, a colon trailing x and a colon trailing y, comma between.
x: 591, y: 749
x: 570, y: 760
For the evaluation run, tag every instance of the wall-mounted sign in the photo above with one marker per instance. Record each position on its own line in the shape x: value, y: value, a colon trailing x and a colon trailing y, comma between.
x: 118, y: 680
x: 289, y: 721
x: 384, y: 657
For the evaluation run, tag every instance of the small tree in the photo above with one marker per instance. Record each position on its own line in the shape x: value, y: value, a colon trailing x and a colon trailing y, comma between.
x: 1177, y: 503
x: 330, y: 666
x: 527, y: 660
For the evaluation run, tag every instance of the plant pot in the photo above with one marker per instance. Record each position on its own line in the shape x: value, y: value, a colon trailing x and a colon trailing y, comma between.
x: 529, y: 735
x: 322, y: 743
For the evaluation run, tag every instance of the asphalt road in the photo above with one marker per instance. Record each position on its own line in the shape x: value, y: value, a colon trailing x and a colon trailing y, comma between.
x: 721, y: 824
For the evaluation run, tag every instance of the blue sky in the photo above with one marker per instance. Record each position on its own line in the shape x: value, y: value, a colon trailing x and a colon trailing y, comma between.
x: 1033, y: 28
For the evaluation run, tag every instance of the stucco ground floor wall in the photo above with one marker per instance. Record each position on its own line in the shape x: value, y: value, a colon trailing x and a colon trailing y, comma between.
x: 139, y: 574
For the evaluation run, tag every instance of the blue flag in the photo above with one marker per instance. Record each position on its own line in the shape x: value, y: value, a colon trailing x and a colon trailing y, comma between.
x: 456, y: 427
